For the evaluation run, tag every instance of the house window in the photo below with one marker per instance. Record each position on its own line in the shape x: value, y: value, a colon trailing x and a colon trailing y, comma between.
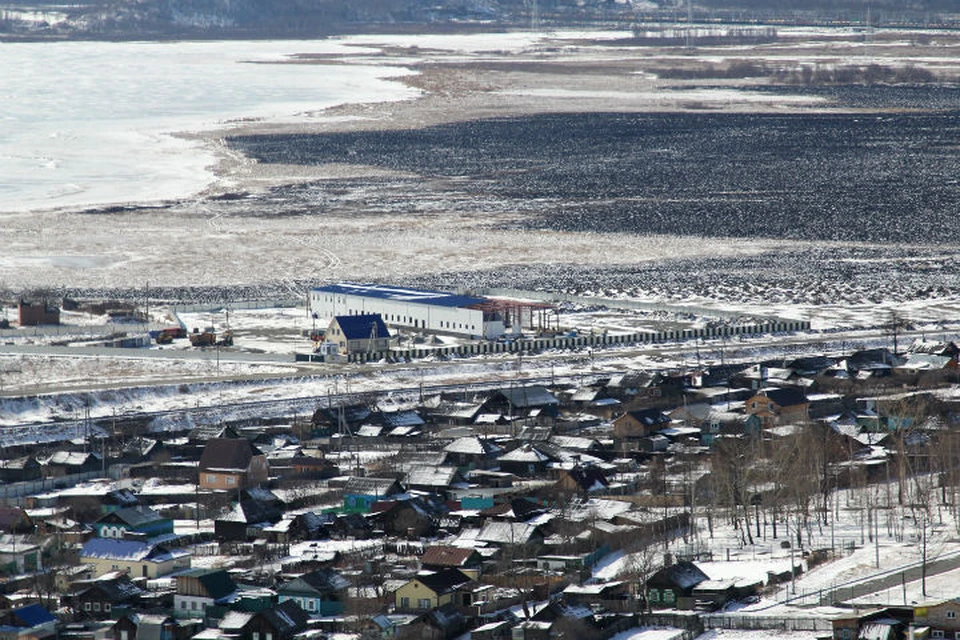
x: 86, y: 606
x: 211, y: 478
x: 106, y: 607
x: 311, y: 605
x: 423, y: 603
x: 951, y: 615
x: 845, y: 634
x: 936, y: 633
x: 654, y: 595
x: 404, y: 603
x: 193, y: 605
x: 231, y: 480
x: 96, y: 606
x: 255, y: 635
x: 956, y: 635
x: 268, y: 636
x: 668, y: 595
x: 124, y: 634
x: 183, y: 604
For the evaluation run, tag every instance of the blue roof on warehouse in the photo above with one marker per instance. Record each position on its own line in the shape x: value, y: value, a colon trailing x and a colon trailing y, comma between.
x: 361, y: 327
x: 402, y: 294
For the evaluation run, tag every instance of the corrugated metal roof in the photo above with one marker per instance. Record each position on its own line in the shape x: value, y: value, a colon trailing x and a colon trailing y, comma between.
x: 402, y: 294
x: 431, y: 476
x: 33, y: 615
x: 362, y: 327
x: 472, y: 445
x: 535, y: 396
x: 506, y: 533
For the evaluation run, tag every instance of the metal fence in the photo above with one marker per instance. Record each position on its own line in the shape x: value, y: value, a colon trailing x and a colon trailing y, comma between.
x: 591, y: 341
x: 771, y: 623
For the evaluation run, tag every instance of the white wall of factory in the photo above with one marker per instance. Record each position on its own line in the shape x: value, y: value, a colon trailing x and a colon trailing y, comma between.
x: 439, y: 318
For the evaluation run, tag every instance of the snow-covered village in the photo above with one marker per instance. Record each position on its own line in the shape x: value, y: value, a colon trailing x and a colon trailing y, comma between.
x: 384, y: 461
x: 490, y: 320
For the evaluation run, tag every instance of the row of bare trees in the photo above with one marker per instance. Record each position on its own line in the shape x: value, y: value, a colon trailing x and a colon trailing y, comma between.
x: 792, y: 483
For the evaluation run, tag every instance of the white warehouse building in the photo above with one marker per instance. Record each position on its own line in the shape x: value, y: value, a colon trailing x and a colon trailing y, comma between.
x: 433, y: 311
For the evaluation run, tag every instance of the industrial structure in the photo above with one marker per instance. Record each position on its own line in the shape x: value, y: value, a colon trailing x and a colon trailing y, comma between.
x: 430, y: 311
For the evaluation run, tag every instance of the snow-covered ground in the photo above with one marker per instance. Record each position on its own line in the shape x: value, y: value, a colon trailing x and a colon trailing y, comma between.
x: 40, y: 383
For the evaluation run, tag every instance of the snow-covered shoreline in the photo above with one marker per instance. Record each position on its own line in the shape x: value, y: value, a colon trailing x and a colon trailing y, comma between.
x: 94, y: 124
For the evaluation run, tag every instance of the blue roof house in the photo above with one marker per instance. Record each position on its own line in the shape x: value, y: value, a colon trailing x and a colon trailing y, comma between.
x: 364, y: 333
x: 32, y: 619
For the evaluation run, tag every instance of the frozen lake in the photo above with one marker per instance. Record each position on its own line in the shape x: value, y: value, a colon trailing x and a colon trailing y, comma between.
x: 89, y: 123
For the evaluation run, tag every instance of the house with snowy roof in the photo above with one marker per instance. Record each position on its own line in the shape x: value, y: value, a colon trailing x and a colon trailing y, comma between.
x: 364, y: 333
x: 330, y: 420
x: 582, y: 480
x: 319, y: 593
x: 390, y: 420
x: 278, y: 623
x: 105, y: 597
x: 392, y: 625
x: 139, y: 520
x: 62, y: 463
x: 138, y: 559
x: 526, y: 461
x: 143, y: 626
x: 471, y: 452
x: 881, y: 623
x: 32, y: 621
x: 256, y: 509
x: 446, y: 622
x: 510, y: 533
x: 360, y: 492
x: 411, y: 518
x: 19, y: 469
x: 18, y: 553
x: 440, y: 480
x: 527, y: 401
x: 452, y: 412
x: 613, y: 593
x: 672, y: 586
x: 634, y: 425
x: 872, y: 363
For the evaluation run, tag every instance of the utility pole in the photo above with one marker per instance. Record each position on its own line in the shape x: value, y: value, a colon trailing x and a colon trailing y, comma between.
x: 876, y: 538
x: 923, y: 568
